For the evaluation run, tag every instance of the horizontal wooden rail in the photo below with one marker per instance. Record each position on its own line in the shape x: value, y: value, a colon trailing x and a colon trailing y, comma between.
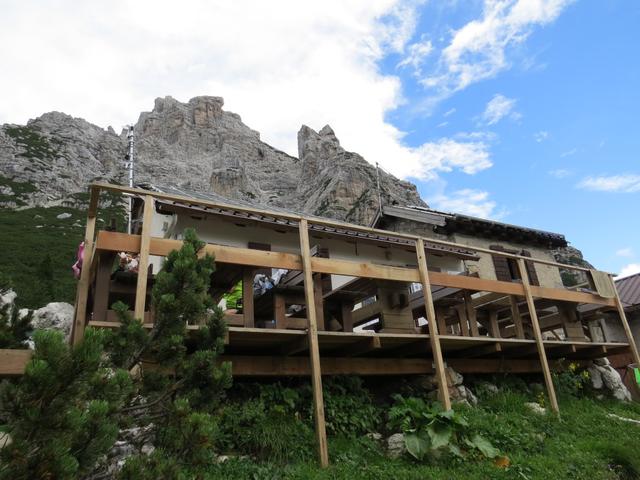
x: 116, y: 242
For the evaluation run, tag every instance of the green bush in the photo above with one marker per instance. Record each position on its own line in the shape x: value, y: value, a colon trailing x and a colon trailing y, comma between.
x: 431, y: 432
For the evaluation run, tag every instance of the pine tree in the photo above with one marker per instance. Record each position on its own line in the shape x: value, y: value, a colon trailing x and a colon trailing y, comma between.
x: 66, y: 410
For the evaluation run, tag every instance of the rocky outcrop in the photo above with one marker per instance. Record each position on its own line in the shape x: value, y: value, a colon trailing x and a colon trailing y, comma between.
x: 54, y: 316
x: 195, y: 145
x: 605, y: 378
x: 572, y: 256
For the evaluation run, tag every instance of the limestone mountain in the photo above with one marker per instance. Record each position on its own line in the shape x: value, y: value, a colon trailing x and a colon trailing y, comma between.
x: 195, y: 145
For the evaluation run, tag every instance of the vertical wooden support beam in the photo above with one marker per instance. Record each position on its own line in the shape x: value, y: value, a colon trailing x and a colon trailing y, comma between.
x: 83, y: 285
x: 247, y: 298
x: 494, y: 327
x: 143, y: 261
x: 516, y: 317
x: 314, y: 350
x: 462, y: 320
x: 279, y: 311
x: 317, y: 295
x: 103, y: 281
x: 346, y: 309
x: 553, y: 401
x: 625, y: 324
x: 471, y: 314
x: 82, y: 293
x: 434, y: 336
x: 441, y: 319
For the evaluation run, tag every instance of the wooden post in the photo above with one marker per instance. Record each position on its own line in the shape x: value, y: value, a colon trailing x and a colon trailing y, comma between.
x: 279, y: 310
x: 83, y: 284
x: 82, y: 292
x: 516, y: 317
x: 143, y: 260
x: 434, y: 337
x: 103, y: 281
x: 494, y: 327
x: 471, y: 314
x: 314, y: 349
x: 247, y: 297
x: 625, y: 325
x: 538, y: 336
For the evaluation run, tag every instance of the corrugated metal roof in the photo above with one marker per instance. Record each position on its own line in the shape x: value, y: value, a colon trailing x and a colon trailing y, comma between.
x: 629, y: 290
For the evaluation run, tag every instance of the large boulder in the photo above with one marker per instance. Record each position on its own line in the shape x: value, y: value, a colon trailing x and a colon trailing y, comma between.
x: 54, y: 316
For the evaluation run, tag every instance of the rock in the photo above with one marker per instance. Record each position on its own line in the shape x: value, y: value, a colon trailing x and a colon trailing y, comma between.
x: 596, y: 377
x: 5, y: 440
x: 395, y: 445
x: 536, y: 408
x: 147, y: 449
x: 63, y: 216
x: 612, y: 380
x: 453, y: 377
x: 195, y: 145
x: 602, y: 362
x: 8, y: 297
x: 490, y: 387
x: 374, y: 436
x: 56, y: 316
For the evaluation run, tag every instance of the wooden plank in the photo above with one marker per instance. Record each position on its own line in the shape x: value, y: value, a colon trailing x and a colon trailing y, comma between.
x: 317, y: 295
x: 436, y: 351
x: 494, y: 327
x: 247, y: 298
x: 314, y: 350
x: 279, y: 310
x: 475, y: 283
x: 13, y: 361
x: 553, y: 401
x: 625, y: 324
x: 272, y: 366
x: 82, y: 296
x: 296, y: 345
x: 462, y: 318
x: 102, y: 282
x: 570, y: 296
x: 471, y: 314
x: 360, y: 347
x: 516, y: 316
x: 366, y: 270
x: 480, y: 350
x: 143, y: 261
x: 346, y: 310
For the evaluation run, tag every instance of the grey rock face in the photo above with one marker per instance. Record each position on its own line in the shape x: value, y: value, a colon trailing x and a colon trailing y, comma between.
x: 194, y: 145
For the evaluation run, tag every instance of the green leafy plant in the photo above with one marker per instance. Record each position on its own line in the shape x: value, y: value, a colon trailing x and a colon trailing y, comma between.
x: 571, y: 381
x: 429, y: 431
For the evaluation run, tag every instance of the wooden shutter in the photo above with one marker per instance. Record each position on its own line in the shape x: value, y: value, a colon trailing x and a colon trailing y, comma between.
x: 501, y: 264
x: 531, y: 269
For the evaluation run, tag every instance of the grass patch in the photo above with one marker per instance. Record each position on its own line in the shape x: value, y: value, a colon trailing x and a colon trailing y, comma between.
x: 35, y: 145
x: 583, y: 444
x: 39, y: 247
x: 19, y: 189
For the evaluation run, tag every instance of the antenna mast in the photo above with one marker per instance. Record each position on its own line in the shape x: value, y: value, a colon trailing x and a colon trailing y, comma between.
x: 129, y: 166
x: 378, y: 187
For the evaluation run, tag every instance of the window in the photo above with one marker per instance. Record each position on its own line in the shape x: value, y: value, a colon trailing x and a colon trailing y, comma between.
x: 507, y: 268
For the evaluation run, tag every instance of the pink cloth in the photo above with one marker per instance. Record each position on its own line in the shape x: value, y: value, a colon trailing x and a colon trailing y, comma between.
x: 77, y: 267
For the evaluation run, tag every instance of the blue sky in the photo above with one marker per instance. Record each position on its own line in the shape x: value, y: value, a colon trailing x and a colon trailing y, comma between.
x: 572, y: 87
x: 524, y: 111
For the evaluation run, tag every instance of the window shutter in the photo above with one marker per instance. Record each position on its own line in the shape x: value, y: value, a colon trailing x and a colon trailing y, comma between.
x: 501, y: 264
x: 531, y: 269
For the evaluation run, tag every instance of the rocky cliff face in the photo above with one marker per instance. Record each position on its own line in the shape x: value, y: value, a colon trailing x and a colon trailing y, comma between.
x: 195, y: 145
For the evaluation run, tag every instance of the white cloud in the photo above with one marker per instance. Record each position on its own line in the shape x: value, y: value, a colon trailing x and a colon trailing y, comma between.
x: 625, y: 252
x: 468, y: 201
x: 612, y: 183
x: 498, y: 108
x: 628, y: 270
x: 451, y: 111
x: 560, y: 173
x: 568, y: 153
x: 478, y: 50
x: 446, y: 155
x: 417, y: 53
x: 541, y: 136
x: 280, y: 66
